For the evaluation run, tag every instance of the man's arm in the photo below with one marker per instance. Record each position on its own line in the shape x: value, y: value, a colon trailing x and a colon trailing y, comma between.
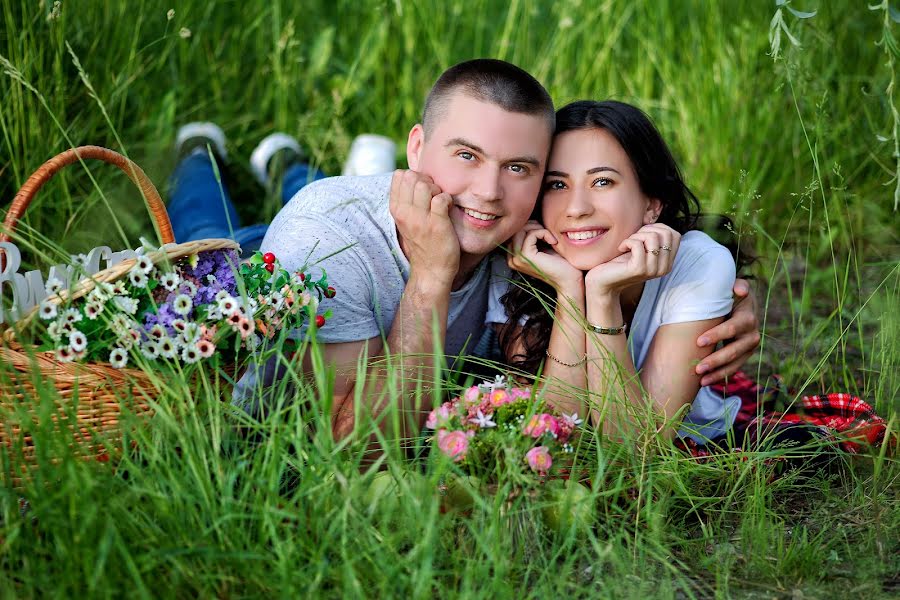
x: 741, y: 331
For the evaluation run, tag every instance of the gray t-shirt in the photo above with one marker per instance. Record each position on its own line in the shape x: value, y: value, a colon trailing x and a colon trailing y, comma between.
x: 344, y: 226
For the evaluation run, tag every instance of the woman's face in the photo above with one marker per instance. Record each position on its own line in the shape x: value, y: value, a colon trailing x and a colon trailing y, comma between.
x: 592, y: 200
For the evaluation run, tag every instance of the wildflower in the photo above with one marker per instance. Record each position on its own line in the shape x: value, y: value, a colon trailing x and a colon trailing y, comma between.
x: 55, y: 11
x: 126, y: 304
x: 129, y: 338
x: 54, y: 331
x: 206, y: 348
x: 137, y: 278
x: 472, y: 395
x: 234, y: 319
x: 188, y: 287
x: 157, y: 331
x: 227, y: 304
x: 170, y: 14
x: 118, y: 289
x: 182, y: 304
x: 47, y: 310
x: 170, y: 281
x: 185, y: 33
x: 144, y: 264
x: 65, y: 354
x: 540, y: 424
x: 439, y: 417
x: 71, y: 315
x: 179, y: 325
x: 92, y: 310
x: 167, y: 348
x: 245, y: 327
x: 118, y: 358
x: 150, y: 349
x: 53, y: 286
x: 190, y: 354
x: 500, y: 397
x: 190, y: 333
x: 120, y: 324
x: 454, y: 444
x: 77, y: 341
x: 208, y: 333
x: 482, y: 420
x: 539, y: 459
x: 572, y: 420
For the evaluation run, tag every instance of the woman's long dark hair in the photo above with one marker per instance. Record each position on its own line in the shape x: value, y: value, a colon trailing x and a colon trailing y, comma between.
x: 532, y: 301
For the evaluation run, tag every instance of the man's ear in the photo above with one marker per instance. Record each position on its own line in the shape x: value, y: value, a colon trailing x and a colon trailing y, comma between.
x: 414, y: 146
x: 654, y: 207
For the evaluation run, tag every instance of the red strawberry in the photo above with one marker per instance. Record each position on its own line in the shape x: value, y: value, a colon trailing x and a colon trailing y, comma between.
x: 268, y: 258
x: 270, y: 267
x: 320, y: 321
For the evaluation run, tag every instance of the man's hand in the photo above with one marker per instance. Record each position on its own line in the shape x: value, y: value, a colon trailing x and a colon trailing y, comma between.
x: 422, y: 213
x: 742, y: 331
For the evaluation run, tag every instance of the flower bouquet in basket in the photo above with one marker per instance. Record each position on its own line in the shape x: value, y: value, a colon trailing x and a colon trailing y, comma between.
x: 500, y: 434
x: 201, y: 306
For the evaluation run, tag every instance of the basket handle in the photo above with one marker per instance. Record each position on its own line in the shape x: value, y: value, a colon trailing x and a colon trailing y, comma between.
x: 48, y: 169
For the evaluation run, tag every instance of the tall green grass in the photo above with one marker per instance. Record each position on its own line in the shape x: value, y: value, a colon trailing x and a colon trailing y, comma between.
x: 800, y: 150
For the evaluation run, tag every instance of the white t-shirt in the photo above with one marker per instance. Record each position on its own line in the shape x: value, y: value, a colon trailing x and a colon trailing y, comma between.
x: 698, y: 287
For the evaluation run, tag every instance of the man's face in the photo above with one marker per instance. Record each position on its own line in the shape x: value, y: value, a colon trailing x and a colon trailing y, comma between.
x: 490, y: 161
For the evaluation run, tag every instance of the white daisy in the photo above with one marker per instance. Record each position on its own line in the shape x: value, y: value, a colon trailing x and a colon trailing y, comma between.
x: 65, y: 354
x: 77, y: 341
x: 227, y: 305
x: 118, y: 289
x: 137, y: 278
x: 129, y: 338
x: 221, y: 294
x: 144, y: 264
x: 157, y: 331
x: 126, y: 304
x: 170, y: 281
x: 92, y: 310
x: 190, y: 354
x: 118, y: 358
x: 71, y: 315
x: 53, y: 286
x: 188, y: 287
x: 178, y: 325
x: 54, y: 331
x: 120, y: 324
x: 182, y: 304
x: 150, y: 349
x: 47, y: 310
x: 167, y: 347
x: 190, y: 333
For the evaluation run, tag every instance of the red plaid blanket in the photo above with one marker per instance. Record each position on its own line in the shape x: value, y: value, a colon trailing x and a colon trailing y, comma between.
x: 847, y: 419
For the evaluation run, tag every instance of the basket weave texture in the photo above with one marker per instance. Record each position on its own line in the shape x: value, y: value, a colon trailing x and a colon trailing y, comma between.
x: 89, y: 397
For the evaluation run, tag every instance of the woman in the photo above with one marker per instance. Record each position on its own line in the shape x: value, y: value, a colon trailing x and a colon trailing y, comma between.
x: 614, y: 253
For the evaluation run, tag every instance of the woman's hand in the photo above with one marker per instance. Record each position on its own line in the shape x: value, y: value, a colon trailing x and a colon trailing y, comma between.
x: 548, y: 266
x: 647, y: 254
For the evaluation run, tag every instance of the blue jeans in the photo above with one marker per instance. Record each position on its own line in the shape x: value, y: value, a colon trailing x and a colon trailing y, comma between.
x: 201, y: 208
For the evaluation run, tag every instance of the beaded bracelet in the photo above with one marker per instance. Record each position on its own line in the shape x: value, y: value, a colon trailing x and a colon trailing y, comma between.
x: 565, y: 364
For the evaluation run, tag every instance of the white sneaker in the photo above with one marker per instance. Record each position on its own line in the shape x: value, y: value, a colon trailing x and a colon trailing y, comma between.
x: 371, y: 154
x: 196, y: 135
x: 268, y: 147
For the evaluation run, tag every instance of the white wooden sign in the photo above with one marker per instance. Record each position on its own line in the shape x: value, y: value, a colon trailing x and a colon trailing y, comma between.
x: 20, y: 292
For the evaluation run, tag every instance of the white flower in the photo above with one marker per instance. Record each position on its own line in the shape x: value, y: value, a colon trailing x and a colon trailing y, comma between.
x: 157, y: 331
x: 188, y: 287
x: 488, y: 387
x: 118, y: 289
x: 129, y: 338
x: 126, y: 304
x: 574, y: 420
x: 92, y: 310
x: 54, y: 286
x: 277, y: 299
x: 120, y: 324
x: 137, y: 278
x: 190, y: 333
x: 71, y: 315
x: 170, y: 14
x: 65, y: 355
x: 150, y: 349
x: 227, y: 304
x: 184, y: 33
x: 221, y: 294
x: 483, y: 421
x: 179, y: 325
x: 47, y: 310
x: 101, y: 293
x: 118, y: 358
x: 190, y: 354
x: 77, y: 341
x: 182, y: 304
x: 213, y: 313
x: 170, y: 281
x: 54, y: 331
x: 144, y: 264
x: 167, y: 348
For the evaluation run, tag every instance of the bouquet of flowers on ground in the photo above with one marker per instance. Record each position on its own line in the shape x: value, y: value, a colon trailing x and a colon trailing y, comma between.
x: 496, y: 426
x: 186, y: 311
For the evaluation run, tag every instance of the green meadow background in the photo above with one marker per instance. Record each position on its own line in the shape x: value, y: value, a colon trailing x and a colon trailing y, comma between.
x: 783, y: 119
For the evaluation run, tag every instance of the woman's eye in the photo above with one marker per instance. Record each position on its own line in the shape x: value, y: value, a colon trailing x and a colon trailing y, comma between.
x: 602, y: 182
x: 554, y: 184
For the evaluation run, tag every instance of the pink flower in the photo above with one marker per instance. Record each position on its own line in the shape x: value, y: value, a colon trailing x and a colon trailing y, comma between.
x: 454, y: 444
x: 439, y: 416
x: 540, y: 424
x: 472, y: 395
x: 500, y: 397
x: 521, y: 393
x: 539, y: 459
x: 206, y: 348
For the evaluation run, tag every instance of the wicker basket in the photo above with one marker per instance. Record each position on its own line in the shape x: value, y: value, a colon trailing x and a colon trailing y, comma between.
x: 92, y: 393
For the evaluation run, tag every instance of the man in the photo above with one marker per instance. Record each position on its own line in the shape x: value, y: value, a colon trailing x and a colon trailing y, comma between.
x: 407, y: 251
